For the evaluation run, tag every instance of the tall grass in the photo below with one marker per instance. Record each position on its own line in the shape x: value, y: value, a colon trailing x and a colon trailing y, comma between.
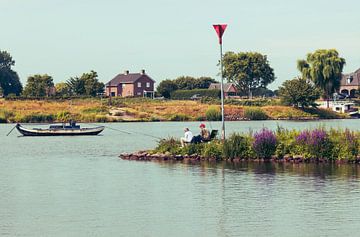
x: 213, y: 113
x: 255, y: 113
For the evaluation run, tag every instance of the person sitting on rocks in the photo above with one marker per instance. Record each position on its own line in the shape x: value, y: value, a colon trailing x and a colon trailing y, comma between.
x: 204, y: 135
x: 188, y: 137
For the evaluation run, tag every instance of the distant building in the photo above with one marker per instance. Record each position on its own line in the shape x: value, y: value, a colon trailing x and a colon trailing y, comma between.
x: 130, y: 84
x: 230, y: 90
x: 350, y: 83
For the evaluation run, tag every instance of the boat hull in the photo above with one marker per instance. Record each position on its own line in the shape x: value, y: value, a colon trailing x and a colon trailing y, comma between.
x: 59, y: 132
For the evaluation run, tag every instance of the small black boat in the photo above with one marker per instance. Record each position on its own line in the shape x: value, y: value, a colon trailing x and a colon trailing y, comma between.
x: 60, y: 130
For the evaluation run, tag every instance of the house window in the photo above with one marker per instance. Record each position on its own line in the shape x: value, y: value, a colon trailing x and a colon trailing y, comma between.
x: 147, y: 84
x: 123, y: 86
x: 139, y: 84
x: 139, y: 93
x: 112, y: 93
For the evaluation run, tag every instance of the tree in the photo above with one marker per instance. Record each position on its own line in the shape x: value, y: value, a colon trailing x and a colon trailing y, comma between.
x: 76, y: 86
x: 185, y: 83
x: 204, y: 82
x: 324, y: 67
x: 92, y: 85
x: 248, y: 70
x: 38, y: 86
x: 88, y: 84
x: 190, y: 83
x: 9, y: 79
x: 62, y: 89
x: 299, y: 92
x: 166, y: 87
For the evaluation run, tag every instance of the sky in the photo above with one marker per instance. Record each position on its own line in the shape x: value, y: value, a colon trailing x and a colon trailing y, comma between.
x: 65, y: 38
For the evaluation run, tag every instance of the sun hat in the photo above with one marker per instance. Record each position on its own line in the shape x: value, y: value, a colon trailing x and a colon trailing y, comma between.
x: 202, y: 125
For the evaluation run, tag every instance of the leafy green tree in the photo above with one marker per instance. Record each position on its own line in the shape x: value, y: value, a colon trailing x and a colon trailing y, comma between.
x: 92, y: 85
x: 38, y: 86
x: 165, y: 87
x: 324, y: 67
x: 62, y: 89
x: 88, y: 84
x: 185, y: 83
x: 190, y: 83
x: 204, y: 82
x: 299, y: 92
x: 76, y: 86
x: 248, y: 70
x: 9, y: 79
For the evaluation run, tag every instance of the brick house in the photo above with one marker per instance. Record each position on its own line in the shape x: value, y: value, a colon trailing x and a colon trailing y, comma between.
x: 350, y: 83
x: 230, y: 90
x: 130, y: 84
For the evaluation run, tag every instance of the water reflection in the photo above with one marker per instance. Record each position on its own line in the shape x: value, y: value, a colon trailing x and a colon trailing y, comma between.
x: 269, y: 169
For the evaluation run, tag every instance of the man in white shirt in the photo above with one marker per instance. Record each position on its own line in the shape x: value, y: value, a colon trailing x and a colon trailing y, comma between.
x: 187, y: 137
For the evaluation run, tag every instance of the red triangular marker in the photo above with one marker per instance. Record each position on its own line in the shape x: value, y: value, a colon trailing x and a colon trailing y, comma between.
x: 220, y: 29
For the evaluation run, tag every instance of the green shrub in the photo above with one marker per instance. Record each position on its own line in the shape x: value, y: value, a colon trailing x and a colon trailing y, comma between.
x: 237, y: 146
x: 192, y: 148
x: 213, y: 113
x: 179, y: 117
x: 346, y: 144
x: 187, y: 94
x: 286, y: 142
x: 255, y: 113
x: 314, y: 144
x: 170, y: 145
x: 213, y: 149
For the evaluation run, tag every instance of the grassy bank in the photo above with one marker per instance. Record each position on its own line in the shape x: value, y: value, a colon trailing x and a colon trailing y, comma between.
x: 140, y: 109
x: 307, y: 145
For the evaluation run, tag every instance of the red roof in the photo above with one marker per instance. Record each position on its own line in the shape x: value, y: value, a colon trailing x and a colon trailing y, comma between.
x: 227, y: 86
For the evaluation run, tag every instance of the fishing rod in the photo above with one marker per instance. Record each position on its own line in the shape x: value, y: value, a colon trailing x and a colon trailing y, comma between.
x: 115, y: 129
x: 126, y: 132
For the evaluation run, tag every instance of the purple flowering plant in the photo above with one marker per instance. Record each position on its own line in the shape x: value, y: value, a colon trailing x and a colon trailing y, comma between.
x: 314, y: 144
x: 264, y: 143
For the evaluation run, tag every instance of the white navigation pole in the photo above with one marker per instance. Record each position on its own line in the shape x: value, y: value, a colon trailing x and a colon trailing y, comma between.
x: 220, y: 29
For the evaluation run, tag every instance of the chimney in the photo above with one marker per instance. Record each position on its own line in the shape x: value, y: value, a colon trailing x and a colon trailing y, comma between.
x: 143, y: 72
x: 126, y: 72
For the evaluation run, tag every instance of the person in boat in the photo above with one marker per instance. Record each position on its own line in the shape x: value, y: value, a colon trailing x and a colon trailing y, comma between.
x: 188, y: 137
x: 204, y: 135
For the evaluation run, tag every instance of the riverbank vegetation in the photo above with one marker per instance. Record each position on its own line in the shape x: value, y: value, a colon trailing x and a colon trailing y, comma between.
x: 318, y: 145
x: 143, y: 109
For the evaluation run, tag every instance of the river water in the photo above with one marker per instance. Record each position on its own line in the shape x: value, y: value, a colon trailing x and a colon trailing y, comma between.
x: 77, y: 186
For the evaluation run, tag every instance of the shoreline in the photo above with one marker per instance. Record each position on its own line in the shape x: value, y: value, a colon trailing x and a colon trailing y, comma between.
x: 146, y: 110
x: 146, y: 156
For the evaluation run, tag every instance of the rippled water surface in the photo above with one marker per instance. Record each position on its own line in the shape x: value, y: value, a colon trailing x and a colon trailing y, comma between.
x: 76, y: 186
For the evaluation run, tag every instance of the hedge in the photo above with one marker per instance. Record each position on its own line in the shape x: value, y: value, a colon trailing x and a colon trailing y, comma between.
x: 187, y: 94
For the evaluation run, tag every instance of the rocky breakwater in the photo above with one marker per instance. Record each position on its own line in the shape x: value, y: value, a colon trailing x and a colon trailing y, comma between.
x: 148, y: 156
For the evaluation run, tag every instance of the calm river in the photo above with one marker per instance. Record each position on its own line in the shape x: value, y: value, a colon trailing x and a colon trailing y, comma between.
x: 77, y: 186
